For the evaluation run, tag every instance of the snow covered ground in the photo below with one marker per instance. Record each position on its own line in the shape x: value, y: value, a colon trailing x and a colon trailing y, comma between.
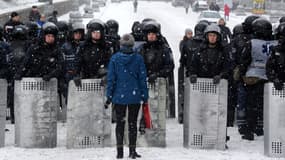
x: 173, y: 22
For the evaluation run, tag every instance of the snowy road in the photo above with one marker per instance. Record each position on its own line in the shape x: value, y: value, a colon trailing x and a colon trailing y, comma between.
x: 173, y: 22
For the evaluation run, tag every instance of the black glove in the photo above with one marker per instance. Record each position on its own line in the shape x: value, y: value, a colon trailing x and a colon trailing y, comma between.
x: 107, y: 103
x: 46, y: 77
x: 193, y: 78
x: 278, y: 84
x: 77, y: 81
x: 152, y: 77
x: 17, y: 77
x: 216, y: 79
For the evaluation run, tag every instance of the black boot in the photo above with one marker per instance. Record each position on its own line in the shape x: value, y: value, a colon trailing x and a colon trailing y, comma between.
x: 134, y: 154
x: 242, y: 129
x: 248, y: 136
x: 259, y: 132
x: 120, y: 153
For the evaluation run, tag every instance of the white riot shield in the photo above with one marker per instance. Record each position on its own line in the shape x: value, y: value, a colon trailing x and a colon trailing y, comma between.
x: 3, y: 106
x: 206, y: 115
x: 88, y: 122
x: 155, y: 137
x: 274, y: 121
x: 36, y: 113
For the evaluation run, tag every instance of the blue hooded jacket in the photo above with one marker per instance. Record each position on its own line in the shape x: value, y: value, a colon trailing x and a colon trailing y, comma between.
x: 126, y: 79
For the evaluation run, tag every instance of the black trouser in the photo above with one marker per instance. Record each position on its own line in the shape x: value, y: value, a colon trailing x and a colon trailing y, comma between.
x: 133, y: 110
x: 10, y: 100
x: 254, y: 106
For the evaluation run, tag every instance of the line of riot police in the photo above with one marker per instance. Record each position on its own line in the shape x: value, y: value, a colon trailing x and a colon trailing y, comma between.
x: 74, y: 52
x: 252, y: 56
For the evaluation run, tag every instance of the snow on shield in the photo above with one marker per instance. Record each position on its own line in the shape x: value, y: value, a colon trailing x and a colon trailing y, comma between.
x: 274, y: 121
x: 36, y: 113
x: 88, y: 122
x: 3, y: 106
x: 205, y: 114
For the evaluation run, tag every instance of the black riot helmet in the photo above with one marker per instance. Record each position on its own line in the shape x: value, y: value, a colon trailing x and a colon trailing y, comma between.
x: 262, y: 29
x: 137, y: 31
x: 238, y: 29
x: 50, y: 28
x: 282, y: 19
x: 199, y: 30
x: 77, y: 27
x: 96, y: 25
x: 113, y: 26
x: 33, y: 29
x: 151, y: 27
x: 19, y: 32
x: 213, y: 28
x: 63, y: 30
x: 280, y: 32
x: 247, y: 24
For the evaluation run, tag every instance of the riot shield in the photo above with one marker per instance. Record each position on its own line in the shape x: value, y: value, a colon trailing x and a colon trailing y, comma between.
x: 155, y: 137
x: 88, y: 122
x: 3, y: 106
x: 205, y: 117
x: 36, y: 113
x: 274, y: 121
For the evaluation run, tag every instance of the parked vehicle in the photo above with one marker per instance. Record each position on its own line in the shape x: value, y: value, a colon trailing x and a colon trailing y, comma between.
x: 210, y: 16
x: 177, y: 3
x: 200, y: 5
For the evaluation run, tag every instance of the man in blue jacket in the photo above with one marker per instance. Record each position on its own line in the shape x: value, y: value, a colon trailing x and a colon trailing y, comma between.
x: 126, y: 88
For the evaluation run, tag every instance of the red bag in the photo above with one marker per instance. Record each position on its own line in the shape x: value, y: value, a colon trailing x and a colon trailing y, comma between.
x: 147, y: 117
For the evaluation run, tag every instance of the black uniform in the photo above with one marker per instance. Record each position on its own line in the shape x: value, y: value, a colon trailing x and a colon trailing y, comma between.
x: 275, y: 67
x: 252, y: 68
x: 94, y: 55
x: 9, y: 27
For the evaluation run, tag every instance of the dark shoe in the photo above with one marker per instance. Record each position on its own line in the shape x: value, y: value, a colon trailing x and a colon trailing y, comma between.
x: 226, y: 146
x: 6, y: 130
x: 259, y: 132
x: 242, y: 130
x: 120, y: 153
x: 248, y: 136
x: 134, y: 155
x: 228, y: 138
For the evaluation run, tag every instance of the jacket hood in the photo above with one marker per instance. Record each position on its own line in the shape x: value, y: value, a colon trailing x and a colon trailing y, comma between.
x: 124, y: 58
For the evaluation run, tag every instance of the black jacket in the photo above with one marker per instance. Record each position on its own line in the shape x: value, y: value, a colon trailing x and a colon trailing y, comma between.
x: 209, y: 62
x: 158, y: 58
x: 42, y: 60
x: 93, y: 59
x: 9, y: 27
x: 275, y: 66
x: 4, y: 67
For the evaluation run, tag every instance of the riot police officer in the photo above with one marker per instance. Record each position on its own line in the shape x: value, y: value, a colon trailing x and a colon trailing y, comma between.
x: 157, y: 55
x: 252, y: 68
x: 112, y: 34
x: 211, y: 60
x: 94, y: 53
x: 18, y: 47
x: 70, y: 60
x: 241, y: 90
x: 43, y: 59
x: 275, y: 67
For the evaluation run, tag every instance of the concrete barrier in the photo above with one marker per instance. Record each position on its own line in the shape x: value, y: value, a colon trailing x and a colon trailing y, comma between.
x: 62, y: 6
